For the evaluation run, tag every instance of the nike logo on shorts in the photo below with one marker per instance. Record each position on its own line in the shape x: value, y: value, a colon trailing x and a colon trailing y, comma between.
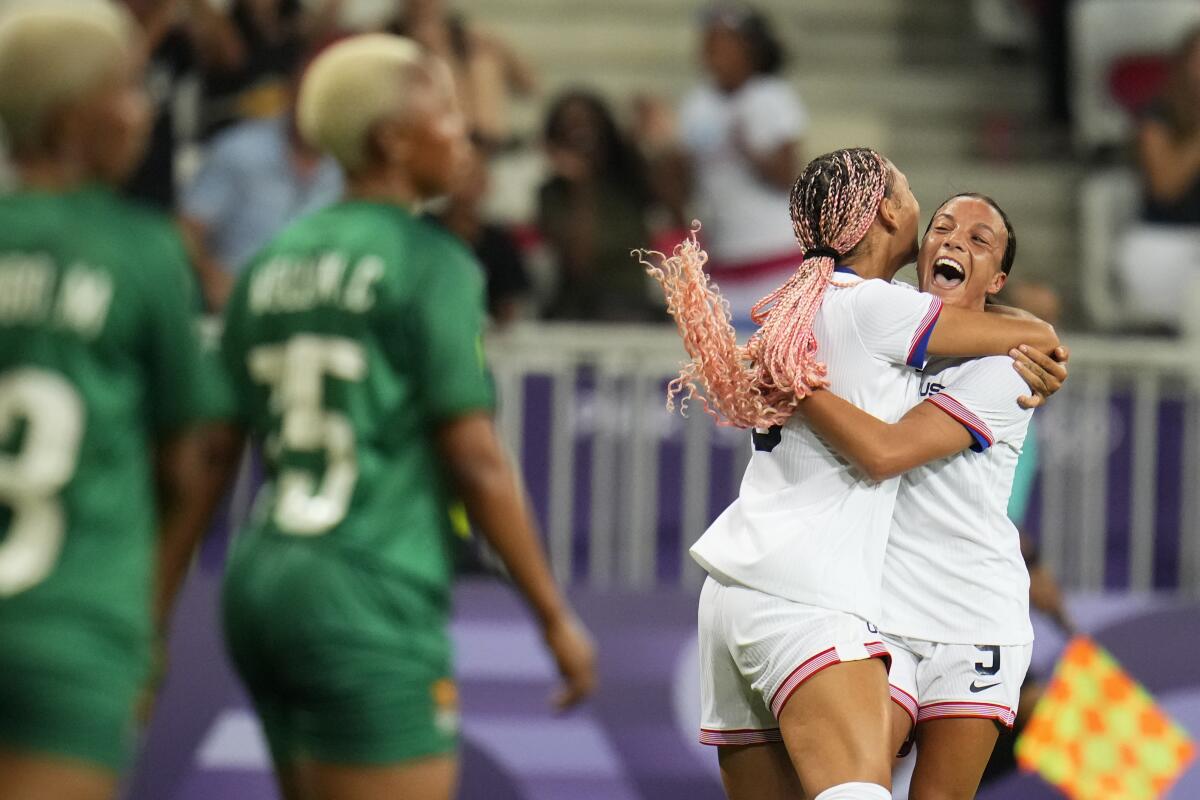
x: 975, y: 688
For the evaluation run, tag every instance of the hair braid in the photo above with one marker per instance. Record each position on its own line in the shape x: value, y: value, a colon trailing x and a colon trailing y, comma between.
x: 833, y: 203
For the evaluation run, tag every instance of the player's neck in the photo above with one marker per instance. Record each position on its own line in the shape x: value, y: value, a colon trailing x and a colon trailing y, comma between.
x: 384, y: 188
x: 48, y: 174
x: 874, y: 256
x: 868, y: 268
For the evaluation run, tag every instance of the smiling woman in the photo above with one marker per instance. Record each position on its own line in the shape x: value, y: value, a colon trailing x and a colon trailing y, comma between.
x: 965, y: 429
x: 985, y: 234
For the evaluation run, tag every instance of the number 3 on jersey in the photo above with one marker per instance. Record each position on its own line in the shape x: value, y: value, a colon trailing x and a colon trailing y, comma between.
x: 32, y: 478
x: 305, y: 504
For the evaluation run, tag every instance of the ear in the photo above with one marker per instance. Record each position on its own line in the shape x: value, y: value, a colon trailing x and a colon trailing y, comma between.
x: 390, y: 142
x: 889, y: 213
x: 997, y: 283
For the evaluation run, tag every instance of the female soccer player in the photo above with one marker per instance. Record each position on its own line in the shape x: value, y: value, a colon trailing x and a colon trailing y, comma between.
x: 101, y: 381
x: 353, y: 342
x: 786, y: 634
x: 955, y: 587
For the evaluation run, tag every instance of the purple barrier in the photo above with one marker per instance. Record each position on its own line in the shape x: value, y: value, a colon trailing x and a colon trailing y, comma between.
x: 635, y: 740
x: 1064, y: 431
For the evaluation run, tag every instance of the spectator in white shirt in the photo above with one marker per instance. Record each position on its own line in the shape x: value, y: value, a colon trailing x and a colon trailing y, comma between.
x: 742, y: 131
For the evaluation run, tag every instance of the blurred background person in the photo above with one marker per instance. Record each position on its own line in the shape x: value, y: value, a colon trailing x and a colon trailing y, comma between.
x: 742, y: 131
x: 1159, y: 259
x: 594, y: 204
x: 181, y: 36
x: 508, y: 284
x: 257, y: 177
x: 488, y: 73
x: 273, y: 37
x: 103, y: 390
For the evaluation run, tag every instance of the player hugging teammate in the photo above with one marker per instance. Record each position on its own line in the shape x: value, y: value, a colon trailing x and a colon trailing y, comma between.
x: 793, y: 693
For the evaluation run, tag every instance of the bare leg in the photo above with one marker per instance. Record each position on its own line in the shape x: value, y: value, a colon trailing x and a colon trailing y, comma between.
x: 951, y: 756
x: 902, y: 725
x: 758, y: 772
x: 837, y: 728
x: 425, y: 779
x: 25, y: 776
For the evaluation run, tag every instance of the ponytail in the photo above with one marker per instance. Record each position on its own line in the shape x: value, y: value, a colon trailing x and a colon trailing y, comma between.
x: 758, y: 385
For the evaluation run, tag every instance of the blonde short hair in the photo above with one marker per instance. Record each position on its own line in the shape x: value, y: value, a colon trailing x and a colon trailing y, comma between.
x: 52, y: 53
x: 352, y: 86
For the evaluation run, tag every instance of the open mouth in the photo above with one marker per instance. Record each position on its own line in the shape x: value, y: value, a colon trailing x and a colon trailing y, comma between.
x: 948, y: 273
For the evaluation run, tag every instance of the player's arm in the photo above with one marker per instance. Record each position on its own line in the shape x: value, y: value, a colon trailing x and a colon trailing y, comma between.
x: 903, y: 327
x: 192, y: 470
x: 490, y: 489
x: 961, y: 332
x: 882, y: 450
x: 195, y: 447
x: 446, y: 321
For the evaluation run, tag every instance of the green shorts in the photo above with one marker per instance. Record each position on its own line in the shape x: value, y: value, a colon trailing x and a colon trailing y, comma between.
x: 344, y: 664
x: 70, y: 690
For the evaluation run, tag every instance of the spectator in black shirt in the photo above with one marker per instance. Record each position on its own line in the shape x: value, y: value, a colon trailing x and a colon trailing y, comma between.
x: 507, y: 281
x: 180, y: 35
x: 273, y: 37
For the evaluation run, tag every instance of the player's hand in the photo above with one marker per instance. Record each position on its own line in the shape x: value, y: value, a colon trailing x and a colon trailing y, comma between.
x: 1044, y: 374
x: 575, y: 655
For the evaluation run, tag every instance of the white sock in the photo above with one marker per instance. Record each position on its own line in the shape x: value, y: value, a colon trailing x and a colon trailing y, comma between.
x: 855, y: 791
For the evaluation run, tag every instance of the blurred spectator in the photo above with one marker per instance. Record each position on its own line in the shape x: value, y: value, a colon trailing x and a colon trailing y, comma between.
x: 592, y: 211
x: 257, y: 177
x: 1160, y: 258
x: 179, y: 36
x: 273, y: 36
x: 1055, y: 51
x: 742, y: 130
x: 507, y: 281
x: 487, y: 72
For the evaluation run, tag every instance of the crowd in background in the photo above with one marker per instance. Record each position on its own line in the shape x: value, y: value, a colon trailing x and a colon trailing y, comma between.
x: 616, y: 177
x: 609, y: 186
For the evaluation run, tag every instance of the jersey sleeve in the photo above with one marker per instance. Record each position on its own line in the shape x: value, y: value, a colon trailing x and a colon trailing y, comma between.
x: 895, y: 323
x: 186, y: 384
x: 982, y: 396
x: 446, y: 318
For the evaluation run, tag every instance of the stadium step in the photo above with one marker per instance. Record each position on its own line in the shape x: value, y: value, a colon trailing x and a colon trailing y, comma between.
x: 907, y: 77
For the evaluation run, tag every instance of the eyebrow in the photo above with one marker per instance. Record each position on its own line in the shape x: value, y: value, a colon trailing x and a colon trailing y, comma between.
x: 976, y: 226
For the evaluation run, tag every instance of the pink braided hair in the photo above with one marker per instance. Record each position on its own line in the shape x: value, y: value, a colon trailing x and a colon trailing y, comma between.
x: 833, y: 203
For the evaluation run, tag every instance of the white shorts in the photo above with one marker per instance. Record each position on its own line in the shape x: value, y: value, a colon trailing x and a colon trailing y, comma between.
x: 935, y: 681
x: 756, y: 650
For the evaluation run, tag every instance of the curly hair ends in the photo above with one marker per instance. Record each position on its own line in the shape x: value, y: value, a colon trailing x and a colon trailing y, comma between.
x: 760, y: 384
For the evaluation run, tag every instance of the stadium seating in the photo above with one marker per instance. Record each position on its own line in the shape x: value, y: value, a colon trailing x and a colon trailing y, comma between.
x: 1109, y: 38
x: 1108, y: 203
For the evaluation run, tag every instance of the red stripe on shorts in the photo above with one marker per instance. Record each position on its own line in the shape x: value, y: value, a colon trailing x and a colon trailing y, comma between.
x: 740, y: 737
x: 1002, y: 714
x: 823, y: 659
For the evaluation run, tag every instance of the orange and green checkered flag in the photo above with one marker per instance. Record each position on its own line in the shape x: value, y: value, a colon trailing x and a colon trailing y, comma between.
x: 1097, y: 734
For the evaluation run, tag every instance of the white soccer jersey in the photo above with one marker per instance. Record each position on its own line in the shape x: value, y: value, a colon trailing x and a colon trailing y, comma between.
x: 954, y: 571
x: 806, y: 525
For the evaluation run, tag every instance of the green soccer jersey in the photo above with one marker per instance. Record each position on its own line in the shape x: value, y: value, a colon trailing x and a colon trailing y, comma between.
x: 348, y: 340
x: 99, y: 355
